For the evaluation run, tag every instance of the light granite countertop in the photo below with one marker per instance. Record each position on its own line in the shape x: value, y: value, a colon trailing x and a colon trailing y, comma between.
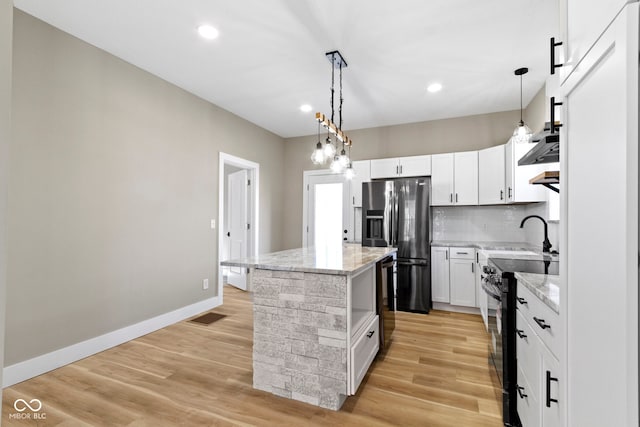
x: 345, y: 259
x: 504, y: 246
x: 545, y: 287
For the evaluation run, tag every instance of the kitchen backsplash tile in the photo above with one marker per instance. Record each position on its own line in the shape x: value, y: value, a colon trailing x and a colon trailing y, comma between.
x: 481, y: 223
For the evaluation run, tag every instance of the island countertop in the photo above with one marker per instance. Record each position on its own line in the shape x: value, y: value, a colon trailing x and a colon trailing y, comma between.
x: 346, y: 259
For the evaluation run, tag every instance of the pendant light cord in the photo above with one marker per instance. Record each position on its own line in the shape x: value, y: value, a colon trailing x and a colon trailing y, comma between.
x: 521, y: 98
x: 333, y: 60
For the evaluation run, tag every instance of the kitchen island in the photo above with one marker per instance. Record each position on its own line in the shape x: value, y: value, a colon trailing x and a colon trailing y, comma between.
x: 315, y: 326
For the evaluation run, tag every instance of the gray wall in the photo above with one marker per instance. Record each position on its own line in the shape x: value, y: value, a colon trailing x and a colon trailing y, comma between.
x: 432, y: 137
x: 6, y: 28
x: 113, y: 183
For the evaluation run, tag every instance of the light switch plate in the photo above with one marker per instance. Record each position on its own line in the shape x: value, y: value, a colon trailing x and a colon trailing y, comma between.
x: 205, y: 284
x: 213, y: 224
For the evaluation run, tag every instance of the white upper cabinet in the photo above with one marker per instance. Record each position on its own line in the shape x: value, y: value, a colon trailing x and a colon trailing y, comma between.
x: 385, y: 168
x: 454, y: 179
x: 401, y: 167
x: 491, y: 175
x: 518, y: 189
x: 465, y: 180
x: 442, y: 179
x: 362, y: 169
x: 415, y: 166
x: 581, y: 23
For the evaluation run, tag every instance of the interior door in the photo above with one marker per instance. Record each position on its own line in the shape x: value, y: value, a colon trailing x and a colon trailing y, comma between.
x: 328, y: 210
x: 237, y: 211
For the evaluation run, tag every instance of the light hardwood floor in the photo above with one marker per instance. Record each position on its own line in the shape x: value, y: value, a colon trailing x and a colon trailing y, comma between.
x: 434, y: 374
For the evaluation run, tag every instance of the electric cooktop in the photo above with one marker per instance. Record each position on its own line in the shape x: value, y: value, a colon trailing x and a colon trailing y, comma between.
x: 526, y: 266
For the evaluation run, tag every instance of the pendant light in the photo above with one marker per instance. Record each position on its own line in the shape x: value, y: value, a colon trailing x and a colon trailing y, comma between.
x: 340, y: 160
x: 317, y: 157
x: 522, y: 134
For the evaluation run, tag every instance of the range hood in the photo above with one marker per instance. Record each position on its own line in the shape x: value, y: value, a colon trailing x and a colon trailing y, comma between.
x: 546, y: 150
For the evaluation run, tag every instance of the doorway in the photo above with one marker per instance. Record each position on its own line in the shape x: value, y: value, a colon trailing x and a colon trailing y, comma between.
x: 237, y: 216
x: 325, y: 209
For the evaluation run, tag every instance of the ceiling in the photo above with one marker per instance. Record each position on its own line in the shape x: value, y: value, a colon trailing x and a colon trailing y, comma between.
x: 270, y: 56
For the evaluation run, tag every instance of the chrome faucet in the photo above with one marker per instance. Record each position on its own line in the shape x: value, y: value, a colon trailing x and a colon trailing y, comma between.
x: 546, y: 245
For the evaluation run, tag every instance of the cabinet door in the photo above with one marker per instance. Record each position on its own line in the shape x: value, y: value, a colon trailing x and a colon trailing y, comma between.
x: 550, y: 395
x: 384, y: 168
x: 602, y: 129
x: 466, y: 178
x: 582, y: 22
x: 362, y: 169
x: 517, y: 177
x: 491, y: 169
x: 463, y: 282
x: 439, y: 274
x: 442, y: 179
x: 415, y: 166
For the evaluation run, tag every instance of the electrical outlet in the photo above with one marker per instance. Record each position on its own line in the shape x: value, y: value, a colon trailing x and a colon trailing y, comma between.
x: 205, y: 284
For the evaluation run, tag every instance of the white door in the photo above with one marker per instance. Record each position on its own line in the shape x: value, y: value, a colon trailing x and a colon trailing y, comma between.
x: 237, y: 211
x: 328, y: 210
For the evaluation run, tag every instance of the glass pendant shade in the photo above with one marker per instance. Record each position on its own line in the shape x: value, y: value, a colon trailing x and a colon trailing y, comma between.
x: 317, y: 157
x: 343, y: 159
x: 522, y: 134
x: 336, y: 165
x: 329, y: 149
x: 349, y: 173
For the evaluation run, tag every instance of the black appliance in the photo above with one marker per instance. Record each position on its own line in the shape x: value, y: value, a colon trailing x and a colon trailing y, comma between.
x: 386, y: 303
x: 500, y: 283
x: 397, y: 213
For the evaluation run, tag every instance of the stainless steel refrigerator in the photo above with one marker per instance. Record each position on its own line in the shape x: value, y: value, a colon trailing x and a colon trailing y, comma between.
x: 397, y: 213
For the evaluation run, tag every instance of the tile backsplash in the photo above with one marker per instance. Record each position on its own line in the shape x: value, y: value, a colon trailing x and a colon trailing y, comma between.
x: 479, y: 223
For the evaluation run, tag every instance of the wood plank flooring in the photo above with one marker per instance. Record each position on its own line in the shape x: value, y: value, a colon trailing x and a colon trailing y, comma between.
x: 435, y: 373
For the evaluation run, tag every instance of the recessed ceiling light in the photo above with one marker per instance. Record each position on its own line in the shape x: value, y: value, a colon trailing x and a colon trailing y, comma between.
x: 207, y: 32
x: 434, y: 87
x: 306, y: 108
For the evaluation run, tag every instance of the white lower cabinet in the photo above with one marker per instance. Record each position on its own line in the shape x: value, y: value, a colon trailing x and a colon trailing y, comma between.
x: 363, y: 351
x: 453, y: 276
x: 539, y: 377
x: 462, y: 280
x: 440, y: 274
x: 364, y: 327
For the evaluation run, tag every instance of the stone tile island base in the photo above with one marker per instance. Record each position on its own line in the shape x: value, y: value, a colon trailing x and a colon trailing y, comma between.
x: 300, y: 336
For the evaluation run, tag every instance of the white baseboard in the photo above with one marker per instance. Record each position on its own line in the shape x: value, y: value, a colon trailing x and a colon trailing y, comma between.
x: 47, y: 362
x: 455, y: 308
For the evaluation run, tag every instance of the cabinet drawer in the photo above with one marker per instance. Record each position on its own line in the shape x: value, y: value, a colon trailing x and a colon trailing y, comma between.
x: 527, y: 402
x: 544, y: 321
x: 528, y: 353
x: 363, y: 350
x: 462, y: 253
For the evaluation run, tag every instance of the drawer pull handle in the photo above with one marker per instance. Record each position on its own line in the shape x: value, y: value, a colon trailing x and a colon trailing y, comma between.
x: 370, y: 334
x: 549, y: 399
x: 521, y: 391
x: 462, y: 253
x: 541, y: 323
x: 521, y: 333
x: 522, y: 301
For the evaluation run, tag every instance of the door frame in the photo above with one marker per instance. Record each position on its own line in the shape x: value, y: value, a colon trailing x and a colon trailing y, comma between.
x: 253, y: 174
x: 306, y: 175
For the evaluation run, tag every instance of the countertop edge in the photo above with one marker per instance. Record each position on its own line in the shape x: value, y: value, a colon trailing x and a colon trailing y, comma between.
x: 538, y: 289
